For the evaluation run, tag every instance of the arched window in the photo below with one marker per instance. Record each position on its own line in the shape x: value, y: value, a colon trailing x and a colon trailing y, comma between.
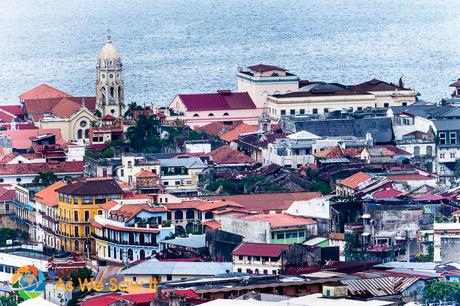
x: 178, y: 215
x: 196, y: 115
x: 226, y: 114
x: 141, y: 254
x: 190, y: 214
x: 80, y: 134
x: 130, y: 255
x: 112, y: 93
x: 211, y: 115
x: 87, y: 133
x: 131, y: 238
x: 416, y: 151
x: 119, y: 92
x: 141, y: 239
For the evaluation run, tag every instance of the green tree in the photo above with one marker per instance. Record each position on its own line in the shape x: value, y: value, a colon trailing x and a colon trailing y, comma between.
x: 7, y: 234
x: 442, y: 291
x: 131, y: 108
x: 81, y: 274
x: 45, y: 178
x: 145, y: 134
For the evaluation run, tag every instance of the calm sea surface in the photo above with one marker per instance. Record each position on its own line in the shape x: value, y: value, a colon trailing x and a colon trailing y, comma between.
x: 171, y: 46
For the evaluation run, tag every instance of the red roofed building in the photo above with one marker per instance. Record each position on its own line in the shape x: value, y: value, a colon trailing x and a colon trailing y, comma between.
x: 6, y: 207
x: 228, y: 157
x: 25, y: 173
x: 241, y: 129
x: 224, y: 106
x: 258, y: 258
x: 42, y: 91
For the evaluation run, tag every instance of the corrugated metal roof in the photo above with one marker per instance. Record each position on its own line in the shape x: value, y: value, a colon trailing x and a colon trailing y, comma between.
x: 150, y: 267
x: 380, y: 286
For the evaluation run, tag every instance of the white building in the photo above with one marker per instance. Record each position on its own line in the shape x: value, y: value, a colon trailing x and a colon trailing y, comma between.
x: 297, y: 149
x: 258, y: 258
x: 446, y: 242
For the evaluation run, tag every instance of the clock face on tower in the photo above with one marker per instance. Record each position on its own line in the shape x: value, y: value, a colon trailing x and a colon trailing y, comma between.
x: 103, y: 76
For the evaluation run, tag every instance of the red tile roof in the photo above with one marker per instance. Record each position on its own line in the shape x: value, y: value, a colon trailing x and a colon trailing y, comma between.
x: 7, y: 194
x: 203, y: 205
x: 218, y: 127
x: 227, y: 156
x: 65, y: 108
x: 217, y: 101
x: 109, y: 205
x: 145, y: 174
x: 36, y: 108
x: 212, y: 224
x: 48, y: 195
x: 242, y: 128
x: 265, y: 202
x: 260, y: 249
x: 265, y: 68
x: 21, y: 139
x: 15, y: 110
x: 376, y: 85
x: 43, y: 91
x: 356, y: 179
x: 34, y: 168
x: 108, y: 118
x: 280, y: 220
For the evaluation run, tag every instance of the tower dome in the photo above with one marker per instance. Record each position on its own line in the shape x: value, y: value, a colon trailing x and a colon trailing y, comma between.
x: 109, y: 51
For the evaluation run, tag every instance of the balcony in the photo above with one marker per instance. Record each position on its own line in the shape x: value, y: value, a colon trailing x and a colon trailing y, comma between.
x: 67, y: 220
x: 124, y: 242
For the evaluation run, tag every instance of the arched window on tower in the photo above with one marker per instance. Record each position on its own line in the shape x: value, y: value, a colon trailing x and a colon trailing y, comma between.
x: 119, y: 92
x: 112, y: 92
x: 80, y: 134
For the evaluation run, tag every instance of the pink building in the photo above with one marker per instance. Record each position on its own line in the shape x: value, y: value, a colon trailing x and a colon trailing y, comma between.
x: 225, y: 106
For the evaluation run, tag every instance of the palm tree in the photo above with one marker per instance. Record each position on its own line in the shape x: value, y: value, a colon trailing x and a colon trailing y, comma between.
x: 131, y: 108
x: 144, y: 133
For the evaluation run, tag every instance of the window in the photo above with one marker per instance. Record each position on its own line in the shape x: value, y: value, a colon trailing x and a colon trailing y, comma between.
x: 86, y: 200
x: 404, y: 104
x: 83, y: 123
x: 169, y: 277
x: 301, y: 234
x: 315, y: 111
x: 360, y: 108
x: 452, y: 154
x: 326, y: 110
x: 265, y: 271
x: 77, y: 234
x: 283, y: 112
x: 302, y: 111
x: 453, y: 137
x: 80, y: 134
x: 442, y: 155
x: 211, y: 115
x: 100, y: 199
x: 86, y: 215
x: 386, y: 105
x: 226, y: 114
x: 256, y: 258
x: 166, y: 183
x: 18, y: 179
x: 239, y: 270
x: 442, y: 138
x: 75, y: 215
x: 177, y: 183
x: 88, y: 231
x: 196, y: 115
x: 86, y: 133
x: 240, y: 257
x: 130, y: 164
x: 280, y: 236
x: 292, y: 111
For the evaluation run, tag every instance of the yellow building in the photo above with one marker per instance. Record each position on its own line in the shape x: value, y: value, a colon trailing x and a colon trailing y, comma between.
x: 78, y: 203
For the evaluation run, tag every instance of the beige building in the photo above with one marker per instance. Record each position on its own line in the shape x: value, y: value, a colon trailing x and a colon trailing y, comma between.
x: 321, y: 98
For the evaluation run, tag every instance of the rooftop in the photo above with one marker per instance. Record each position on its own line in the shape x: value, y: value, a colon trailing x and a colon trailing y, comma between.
x: 355, y: 180
x: 193, y: 241
x: 48, y: 195
x: 91, y: 187
x: 240, y: 129
x: 227, y: 156
x: 280, y: 220
x: 223, y: 100
x: 154, y: 267
x: 43, y: 91
x: 260, y: 249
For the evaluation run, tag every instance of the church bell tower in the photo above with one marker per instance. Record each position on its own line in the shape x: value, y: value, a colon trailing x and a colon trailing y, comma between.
x: 109, y: 81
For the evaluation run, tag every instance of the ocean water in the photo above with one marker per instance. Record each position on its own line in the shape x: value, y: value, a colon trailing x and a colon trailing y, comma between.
x: 191, y: 46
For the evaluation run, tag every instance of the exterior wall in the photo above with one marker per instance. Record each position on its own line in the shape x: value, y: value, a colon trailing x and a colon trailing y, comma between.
x: 446, y: 241
x: 256, y: 264
x: 422, y: 147
x: 320, y: 105
x: 251, y: 230
x: 197, y: 147
x: 75, y: 152
x: 314, y: 208
x: 292, y: 236
x: 259, y: 87
x: 71, y: 240
x: 130, y: 168
x: 69, y: 127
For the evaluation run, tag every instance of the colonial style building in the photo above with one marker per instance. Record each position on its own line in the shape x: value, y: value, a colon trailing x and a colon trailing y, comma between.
x: 130, y: 232
x: 109, y: 82
x: 78, y: 203
x: 258, y: 258
x: 197, y: 110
